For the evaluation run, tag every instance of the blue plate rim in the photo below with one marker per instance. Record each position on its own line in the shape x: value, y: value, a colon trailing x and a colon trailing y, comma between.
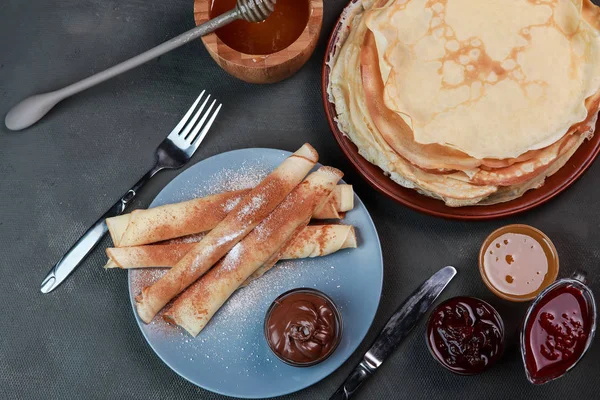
x: 311, y: 383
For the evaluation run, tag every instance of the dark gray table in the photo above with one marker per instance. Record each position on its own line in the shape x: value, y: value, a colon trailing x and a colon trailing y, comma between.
x: 57, y: 177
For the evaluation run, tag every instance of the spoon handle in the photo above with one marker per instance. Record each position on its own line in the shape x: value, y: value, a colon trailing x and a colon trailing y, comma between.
x: 154, y: 52
x: 33, y: 108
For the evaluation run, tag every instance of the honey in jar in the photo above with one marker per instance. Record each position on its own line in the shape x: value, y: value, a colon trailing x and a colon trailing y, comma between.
x: 274, y: 34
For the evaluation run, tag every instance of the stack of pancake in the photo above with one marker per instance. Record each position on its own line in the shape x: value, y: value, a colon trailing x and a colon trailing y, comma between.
x: 470, y: 102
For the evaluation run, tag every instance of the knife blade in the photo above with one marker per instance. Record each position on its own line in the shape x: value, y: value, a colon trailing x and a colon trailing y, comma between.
x: 395, y: 330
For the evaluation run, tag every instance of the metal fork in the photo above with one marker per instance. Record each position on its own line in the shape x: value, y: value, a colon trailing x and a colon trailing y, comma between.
x: 172, y: 153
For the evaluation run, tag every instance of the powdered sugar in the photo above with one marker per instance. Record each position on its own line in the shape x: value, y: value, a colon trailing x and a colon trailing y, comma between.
x: 231, y: 204
x: 231, y: 260
x: 235, y: 235
x: 261, y: 231
x: 195, y: 238
x: 248, y: 176
x: 253, y: 204
x: 140, y: 278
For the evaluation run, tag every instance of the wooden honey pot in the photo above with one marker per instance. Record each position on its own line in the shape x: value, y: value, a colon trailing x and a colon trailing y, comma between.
x: 265, y: 52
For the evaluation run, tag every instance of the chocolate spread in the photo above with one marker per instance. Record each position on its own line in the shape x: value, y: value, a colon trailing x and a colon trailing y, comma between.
x: 302, y: 327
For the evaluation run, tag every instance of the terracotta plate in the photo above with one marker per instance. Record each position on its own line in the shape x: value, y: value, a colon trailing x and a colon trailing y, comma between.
x: 554, y: 185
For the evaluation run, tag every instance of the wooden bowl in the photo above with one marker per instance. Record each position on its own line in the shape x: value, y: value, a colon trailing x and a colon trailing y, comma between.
x: 268, y: 68
x: 553, y: 186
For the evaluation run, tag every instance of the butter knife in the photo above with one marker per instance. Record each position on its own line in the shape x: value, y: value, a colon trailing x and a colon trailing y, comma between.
x: 396, y: 329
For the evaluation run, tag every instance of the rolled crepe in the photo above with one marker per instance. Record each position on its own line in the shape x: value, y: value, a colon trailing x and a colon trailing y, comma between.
x: 249, y: 212
x: 172, y: 220
x: 320, y: 240
x: 340, y: 201
x: 196, y: 306
x: 200, y: 215
x: 312, y: 241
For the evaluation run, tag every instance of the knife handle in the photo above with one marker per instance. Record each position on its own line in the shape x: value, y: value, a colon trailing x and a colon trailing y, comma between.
x: 90, y: 238
x: 356, y: 378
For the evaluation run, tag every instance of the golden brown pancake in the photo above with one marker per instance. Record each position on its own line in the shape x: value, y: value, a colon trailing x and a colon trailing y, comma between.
x: 366, y: 74
x: 475, y: 76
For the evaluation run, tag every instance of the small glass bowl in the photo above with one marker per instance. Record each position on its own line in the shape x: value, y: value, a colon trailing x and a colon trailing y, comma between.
x: 578, y: 281
x: 435, y: 354
x: 545, y: 243
x: 336, y: 313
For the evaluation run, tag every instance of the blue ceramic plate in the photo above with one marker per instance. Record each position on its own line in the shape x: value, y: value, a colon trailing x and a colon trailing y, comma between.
x: 230, y: 356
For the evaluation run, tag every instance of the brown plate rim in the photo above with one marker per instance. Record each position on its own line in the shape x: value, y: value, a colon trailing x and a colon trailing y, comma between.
x: 553, y: 186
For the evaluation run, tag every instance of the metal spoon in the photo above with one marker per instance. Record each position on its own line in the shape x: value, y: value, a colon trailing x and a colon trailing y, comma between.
x: 32, y: 109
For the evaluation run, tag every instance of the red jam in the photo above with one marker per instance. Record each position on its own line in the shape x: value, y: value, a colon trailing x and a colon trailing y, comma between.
x: 556, y: 333
x: 466, y: 335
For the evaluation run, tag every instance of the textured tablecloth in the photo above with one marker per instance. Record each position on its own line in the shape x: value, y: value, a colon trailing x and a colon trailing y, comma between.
x: 58, y: 177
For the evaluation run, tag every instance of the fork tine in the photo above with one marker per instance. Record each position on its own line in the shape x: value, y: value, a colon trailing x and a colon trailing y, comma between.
x: 199, y: 125
x: 204, y: 131
x: 187, y: 115
x: 191, y: 124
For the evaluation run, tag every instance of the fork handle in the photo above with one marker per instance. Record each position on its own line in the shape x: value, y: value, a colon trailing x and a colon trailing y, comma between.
x: 90, y: 239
